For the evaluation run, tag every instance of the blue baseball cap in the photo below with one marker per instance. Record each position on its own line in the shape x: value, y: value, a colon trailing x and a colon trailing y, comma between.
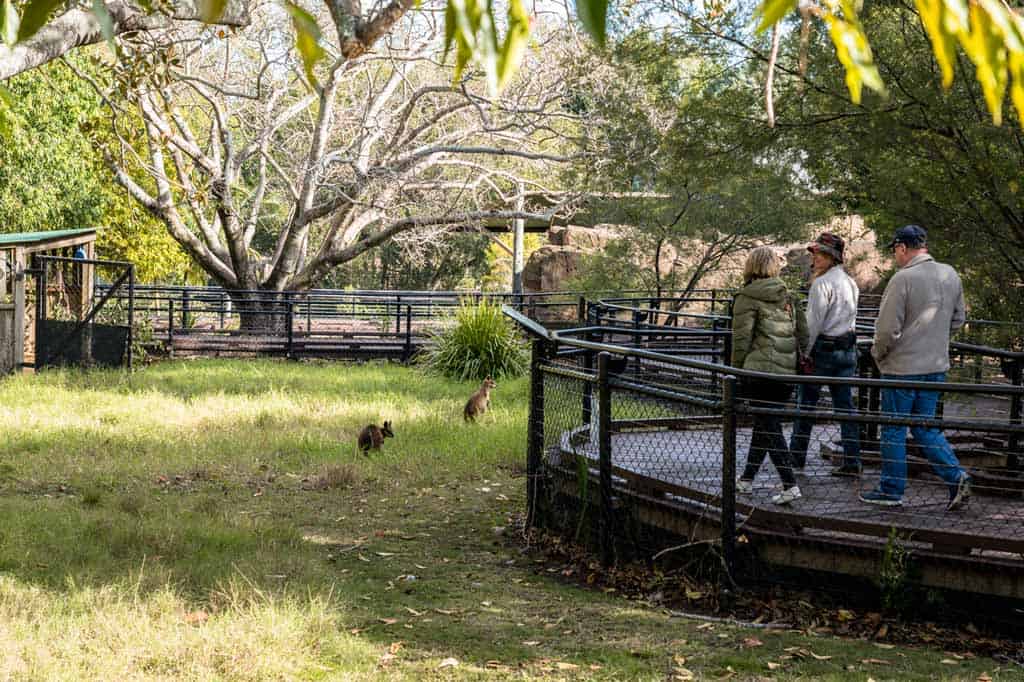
x: 913, y: 236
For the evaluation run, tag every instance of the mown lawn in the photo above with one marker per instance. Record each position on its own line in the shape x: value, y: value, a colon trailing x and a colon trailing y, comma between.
x: 213, y: 520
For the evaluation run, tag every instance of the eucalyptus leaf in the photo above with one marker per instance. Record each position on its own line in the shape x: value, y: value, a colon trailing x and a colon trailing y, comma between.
x: 34, y: 16
x: 9, y: 21
x: 773, y: 11
x: 593, y: 14
x: 307, y: 38
x: 211, y: 10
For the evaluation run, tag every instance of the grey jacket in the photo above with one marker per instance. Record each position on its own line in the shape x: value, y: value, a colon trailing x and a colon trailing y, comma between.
x: 922, y: 305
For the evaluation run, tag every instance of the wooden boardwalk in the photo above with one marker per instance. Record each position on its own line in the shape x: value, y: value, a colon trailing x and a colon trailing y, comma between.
x: 687, y: 464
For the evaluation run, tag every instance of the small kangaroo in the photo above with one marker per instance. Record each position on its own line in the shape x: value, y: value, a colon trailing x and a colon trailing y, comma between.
x: 372, y: 436
x: 479, y: 401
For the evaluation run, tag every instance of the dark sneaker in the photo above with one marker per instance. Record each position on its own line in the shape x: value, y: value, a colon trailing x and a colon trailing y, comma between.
x: 881, y: 499
x: 959, y: 494
x: 847, y: 470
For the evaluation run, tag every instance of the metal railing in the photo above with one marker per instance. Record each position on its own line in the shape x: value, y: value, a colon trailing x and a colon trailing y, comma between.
x: 622, y: 426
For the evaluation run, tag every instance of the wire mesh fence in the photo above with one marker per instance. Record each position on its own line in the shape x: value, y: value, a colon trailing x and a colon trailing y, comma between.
x: 72, y: 326
x: 857, y: 462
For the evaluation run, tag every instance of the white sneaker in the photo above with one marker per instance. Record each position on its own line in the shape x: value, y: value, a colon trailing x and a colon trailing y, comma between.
x: 787, y: 496
x: 744, y: 487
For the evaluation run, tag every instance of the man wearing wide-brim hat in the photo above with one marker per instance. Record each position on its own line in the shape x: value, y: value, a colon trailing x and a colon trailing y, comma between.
x: 832, y: 346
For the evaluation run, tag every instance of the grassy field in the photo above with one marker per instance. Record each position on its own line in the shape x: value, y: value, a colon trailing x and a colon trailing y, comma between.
x: 213, y: 520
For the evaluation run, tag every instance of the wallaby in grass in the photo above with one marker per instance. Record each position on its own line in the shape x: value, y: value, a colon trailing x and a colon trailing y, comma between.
x: 372, y: 436
x: 479, y: 401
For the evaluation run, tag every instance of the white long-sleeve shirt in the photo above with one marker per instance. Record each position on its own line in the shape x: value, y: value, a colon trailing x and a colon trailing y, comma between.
x: 831, y: 305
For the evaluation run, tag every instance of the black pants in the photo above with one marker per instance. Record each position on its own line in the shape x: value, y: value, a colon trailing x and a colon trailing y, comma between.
x: 767, y: 438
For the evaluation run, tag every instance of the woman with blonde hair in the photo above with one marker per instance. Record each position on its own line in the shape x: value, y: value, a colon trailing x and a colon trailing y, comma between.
x: 766, y: 326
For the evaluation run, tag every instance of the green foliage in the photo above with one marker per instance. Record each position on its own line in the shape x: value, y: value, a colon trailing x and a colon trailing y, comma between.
x: 481, y: 342
x: 920, y: 156
x: 307, y: 38
x: 51, y: 178
x: 989, y: 32
x: 892, y: 577
x: 470, y: 27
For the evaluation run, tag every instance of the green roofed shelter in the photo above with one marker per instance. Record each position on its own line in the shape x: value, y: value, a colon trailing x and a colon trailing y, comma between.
x: 17, y: 304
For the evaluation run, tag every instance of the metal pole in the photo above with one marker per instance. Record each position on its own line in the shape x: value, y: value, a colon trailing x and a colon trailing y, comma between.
x: 604, y: 444
x: 185, y: 300
x: 728, y: 477
x: 407, y: 353
x: 1013, y: 460
x: 131, y: 313
x: 170, y: 327
x: 518, y: 228
x: 535, y: 437
x: 290, y: 353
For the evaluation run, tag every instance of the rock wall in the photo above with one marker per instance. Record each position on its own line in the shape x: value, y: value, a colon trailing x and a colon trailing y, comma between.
x: 552, y: 265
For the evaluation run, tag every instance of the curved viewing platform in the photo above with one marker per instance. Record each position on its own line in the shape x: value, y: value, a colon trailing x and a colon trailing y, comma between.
x: 636, y: 417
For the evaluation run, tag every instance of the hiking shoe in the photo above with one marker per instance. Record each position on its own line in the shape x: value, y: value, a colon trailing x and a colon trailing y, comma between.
x: 881, y: 499
x: 787, y: 495
x: 847, y: 470
x: 959, y: 494
x: 744, y: 487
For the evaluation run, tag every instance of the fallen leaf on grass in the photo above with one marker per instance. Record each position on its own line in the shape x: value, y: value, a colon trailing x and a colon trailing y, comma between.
x: 385, y: 659
x: 773, y: 665
x: 449, y: 663
x: 874, y: 661
x: 820, y: 658
x: 385, y: 554
x: 566, y: 666
x: 446, y: 612
x: 949, y: 661
x: 885, y: 646
x: 682, y: 674
x: 388, y: 621
x: 414, y: 611
x: 751, y: 642
x: 845, y: 615
x: 531, y: 643
x: 984, y: 678
x: 693, y: 594
x: 705, y: 626
x: 395, y: 647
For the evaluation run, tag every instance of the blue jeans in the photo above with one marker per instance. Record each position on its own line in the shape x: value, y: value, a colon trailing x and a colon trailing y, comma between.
x: 910, y: 402
x: 831, y: 363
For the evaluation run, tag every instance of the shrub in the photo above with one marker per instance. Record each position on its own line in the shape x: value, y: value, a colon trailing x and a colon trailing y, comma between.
x: 481, y: 342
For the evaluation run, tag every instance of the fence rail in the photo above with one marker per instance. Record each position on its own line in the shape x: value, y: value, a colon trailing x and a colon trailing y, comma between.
x: 627, y: 417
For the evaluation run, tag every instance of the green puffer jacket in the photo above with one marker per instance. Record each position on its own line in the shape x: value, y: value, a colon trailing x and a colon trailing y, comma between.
x: 765, y: 325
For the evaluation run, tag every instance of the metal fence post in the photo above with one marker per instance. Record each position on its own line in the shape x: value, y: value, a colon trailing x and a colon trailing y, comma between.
x: 604, y: 444
x: 535, y: 436
x: 290, y: 321
x: 1013, y: 461
x: 170, y: 327
x: 729, y: 477
x: 131, y: 313
x: 407, y: 352
x: 185, y: 307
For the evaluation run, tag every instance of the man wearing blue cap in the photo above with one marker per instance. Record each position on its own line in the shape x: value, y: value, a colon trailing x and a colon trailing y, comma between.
x: 922, y: 306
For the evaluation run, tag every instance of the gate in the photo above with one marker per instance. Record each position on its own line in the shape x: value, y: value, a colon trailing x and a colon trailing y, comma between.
x: 73, y: 327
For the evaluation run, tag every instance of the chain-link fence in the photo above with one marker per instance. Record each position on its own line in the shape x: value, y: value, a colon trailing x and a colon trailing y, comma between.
x: 75, y: 326
x: 629, y: 444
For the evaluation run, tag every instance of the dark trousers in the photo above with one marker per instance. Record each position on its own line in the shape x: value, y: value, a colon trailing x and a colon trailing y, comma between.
x: 767, y: 438
x: 829, y: 363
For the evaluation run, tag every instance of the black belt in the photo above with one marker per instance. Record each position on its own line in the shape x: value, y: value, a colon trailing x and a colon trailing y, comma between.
x: 842, y: 342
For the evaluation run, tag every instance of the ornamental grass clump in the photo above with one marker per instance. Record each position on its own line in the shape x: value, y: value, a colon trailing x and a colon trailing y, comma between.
x: 481, y: 342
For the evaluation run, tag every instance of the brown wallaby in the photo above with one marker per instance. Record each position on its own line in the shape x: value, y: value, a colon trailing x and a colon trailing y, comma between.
x: 372, y: 436
x: 479, y: 401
